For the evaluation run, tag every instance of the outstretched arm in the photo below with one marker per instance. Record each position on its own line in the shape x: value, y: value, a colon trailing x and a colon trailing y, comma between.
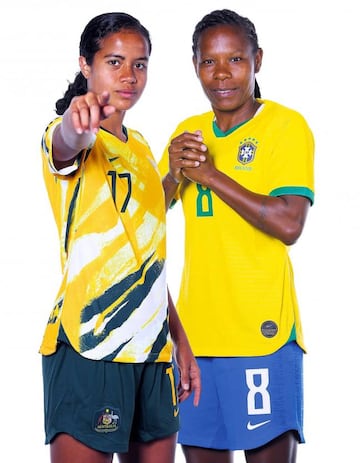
x: 80, y: 123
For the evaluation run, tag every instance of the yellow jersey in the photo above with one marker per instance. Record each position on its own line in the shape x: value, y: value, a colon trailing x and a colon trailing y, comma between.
x: 110, y: 216
x: 237, y: 295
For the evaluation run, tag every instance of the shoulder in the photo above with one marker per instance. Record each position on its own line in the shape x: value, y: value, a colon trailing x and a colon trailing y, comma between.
x: 49, y: 130
x: 194, y: 122
x: 136, y: 136
x: 282, y: 112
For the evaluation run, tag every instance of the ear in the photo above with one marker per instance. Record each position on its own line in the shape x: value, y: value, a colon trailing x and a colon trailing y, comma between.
x: 84, y: 67
x: 258, y: 59
x: 194, y: 60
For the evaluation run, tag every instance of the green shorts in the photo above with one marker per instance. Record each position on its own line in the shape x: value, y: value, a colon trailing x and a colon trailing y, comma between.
x: 106, y: 405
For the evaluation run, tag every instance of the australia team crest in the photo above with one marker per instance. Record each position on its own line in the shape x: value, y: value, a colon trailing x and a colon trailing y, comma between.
x: 247, y: 149
x: 106, y: 420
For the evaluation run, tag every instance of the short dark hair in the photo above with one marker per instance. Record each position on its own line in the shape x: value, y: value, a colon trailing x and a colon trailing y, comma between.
x: 218, y: 17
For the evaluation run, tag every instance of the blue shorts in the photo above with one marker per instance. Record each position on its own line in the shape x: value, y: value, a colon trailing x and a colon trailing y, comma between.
x: 106, y: 405
x: 245, y: 401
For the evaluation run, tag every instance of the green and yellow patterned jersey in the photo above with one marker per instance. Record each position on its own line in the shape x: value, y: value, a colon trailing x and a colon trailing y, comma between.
x: 237, y: 295
x: 110, y: 216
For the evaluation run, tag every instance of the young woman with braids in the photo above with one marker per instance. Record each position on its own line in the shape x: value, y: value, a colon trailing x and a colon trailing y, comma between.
x: 244, y: 174
x: 107, y: 349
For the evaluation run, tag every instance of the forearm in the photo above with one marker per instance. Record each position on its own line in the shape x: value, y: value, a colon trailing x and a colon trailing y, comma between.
x: 190, y: 381
x: 281, y: 217
x: 177, y: 331
x: 170, y: 186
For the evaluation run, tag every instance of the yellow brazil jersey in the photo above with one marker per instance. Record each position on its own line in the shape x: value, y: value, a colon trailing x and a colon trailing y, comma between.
x: 110, y: 215
x: 237, y: 295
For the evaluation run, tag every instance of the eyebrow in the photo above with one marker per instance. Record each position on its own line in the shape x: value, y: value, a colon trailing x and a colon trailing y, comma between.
x: 114, y: 55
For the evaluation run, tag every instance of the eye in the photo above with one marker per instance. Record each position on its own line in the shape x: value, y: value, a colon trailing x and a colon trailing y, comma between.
x: 207, y: 62
x: 235, y: 59
x: 140, y: 65
x: 114, y: 62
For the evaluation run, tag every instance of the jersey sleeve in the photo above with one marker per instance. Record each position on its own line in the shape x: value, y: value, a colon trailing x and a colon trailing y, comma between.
x: 292, y: 160
x: 47, y: 151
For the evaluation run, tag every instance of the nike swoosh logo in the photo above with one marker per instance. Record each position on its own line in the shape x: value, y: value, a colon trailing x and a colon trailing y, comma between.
x: 251, y: 427
x: 176, y: 412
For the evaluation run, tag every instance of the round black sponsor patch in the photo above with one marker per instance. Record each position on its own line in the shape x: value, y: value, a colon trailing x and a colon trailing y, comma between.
x: 269, y: 329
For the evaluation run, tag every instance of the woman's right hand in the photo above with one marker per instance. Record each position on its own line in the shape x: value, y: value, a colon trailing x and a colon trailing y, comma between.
x: 87, y: 111
x: 80, y: 122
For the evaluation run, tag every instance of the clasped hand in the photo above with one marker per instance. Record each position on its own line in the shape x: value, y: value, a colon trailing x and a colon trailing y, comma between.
x: 189, y: 157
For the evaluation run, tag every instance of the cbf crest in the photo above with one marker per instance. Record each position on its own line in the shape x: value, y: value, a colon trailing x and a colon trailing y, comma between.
x: 247, y: 149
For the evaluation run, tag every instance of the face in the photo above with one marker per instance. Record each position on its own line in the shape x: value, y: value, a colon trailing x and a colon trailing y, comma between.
x: 119, y: 67
x: 226, y: 66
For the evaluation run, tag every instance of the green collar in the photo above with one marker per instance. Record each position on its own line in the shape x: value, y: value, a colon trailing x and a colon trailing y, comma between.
x: 219, y: 133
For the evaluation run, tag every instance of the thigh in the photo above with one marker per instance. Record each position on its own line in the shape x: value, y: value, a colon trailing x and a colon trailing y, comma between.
x: 64, y: 448
x: 203, y: 455
x: 156, y: 451
x: 283, y: 449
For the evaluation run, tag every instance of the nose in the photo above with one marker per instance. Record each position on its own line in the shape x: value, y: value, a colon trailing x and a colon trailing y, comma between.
x: 127, y: 74
x: 221, y: 71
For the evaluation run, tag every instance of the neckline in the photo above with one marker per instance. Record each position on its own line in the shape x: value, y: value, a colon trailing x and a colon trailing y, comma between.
x: 124, y: 131
x: 219, y: 133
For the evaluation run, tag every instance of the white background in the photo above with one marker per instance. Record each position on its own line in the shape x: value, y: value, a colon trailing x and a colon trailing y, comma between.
x: 310, y: 63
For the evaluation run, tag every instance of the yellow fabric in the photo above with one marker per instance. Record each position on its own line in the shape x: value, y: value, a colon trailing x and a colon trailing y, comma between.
x: 110, y: 216
x: 237, y: 279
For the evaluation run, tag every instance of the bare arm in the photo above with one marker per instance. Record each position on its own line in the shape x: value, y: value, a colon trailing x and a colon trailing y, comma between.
x: 282, y: 217
x: 185, y: 360
x: 170, y: 186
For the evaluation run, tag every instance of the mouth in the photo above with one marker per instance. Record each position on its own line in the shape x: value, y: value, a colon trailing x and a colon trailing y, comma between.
x: 126, y: 93
x: 224, y: 92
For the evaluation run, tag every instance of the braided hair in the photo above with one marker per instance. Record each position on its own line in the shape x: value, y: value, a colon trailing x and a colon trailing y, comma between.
x: 90, y: 43
x: 229, y: 17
